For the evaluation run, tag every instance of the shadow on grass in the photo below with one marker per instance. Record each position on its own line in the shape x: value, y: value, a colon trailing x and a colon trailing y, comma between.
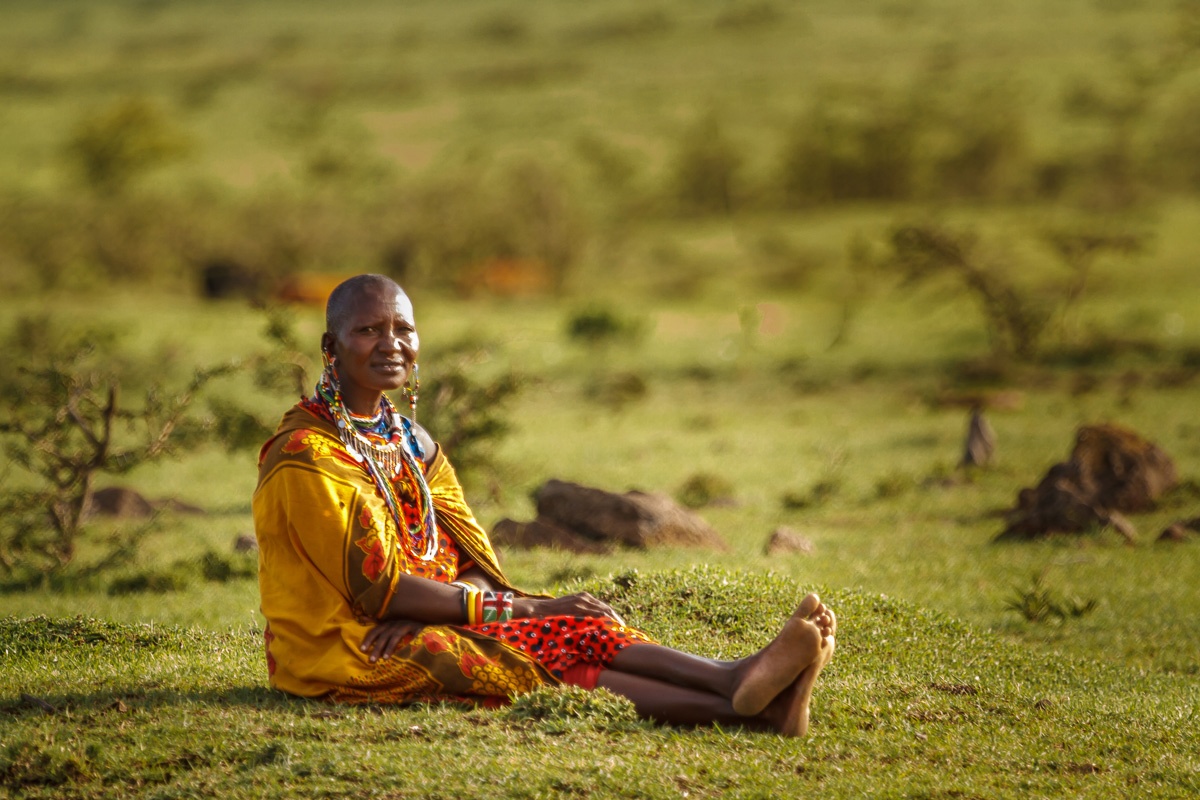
x: 118, y: 701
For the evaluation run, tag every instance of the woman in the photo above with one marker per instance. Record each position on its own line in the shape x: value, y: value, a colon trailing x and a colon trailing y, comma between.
x: 378, y: 585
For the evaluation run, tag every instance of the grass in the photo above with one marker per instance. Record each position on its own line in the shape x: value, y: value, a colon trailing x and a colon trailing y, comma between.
x: 939, y: 687
x: 916, y: 702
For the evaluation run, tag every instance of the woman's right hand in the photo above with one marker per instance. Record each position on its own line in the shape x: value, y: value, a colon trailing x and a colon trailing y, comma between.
x: 571, y: 605
x: 386, y: 635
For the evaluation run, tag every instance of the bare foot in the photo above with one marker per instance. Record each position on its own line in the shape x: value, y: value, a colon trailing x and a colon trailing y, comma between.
x: 788, y: 713
x: 777, y: 666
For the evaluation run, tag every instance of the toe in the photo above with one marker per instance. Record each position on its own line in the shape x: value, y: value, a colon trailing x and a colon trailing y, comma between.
x: 808, y: 606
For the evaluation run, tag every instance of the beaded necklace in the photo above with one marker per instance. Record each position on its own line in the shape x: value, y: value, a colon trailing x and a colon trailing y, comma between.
x: 388, y: 448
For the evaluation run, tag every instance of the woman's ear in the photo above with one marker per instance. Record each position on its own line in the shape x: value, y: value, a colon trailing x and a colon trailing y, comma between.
x: 327, y: 343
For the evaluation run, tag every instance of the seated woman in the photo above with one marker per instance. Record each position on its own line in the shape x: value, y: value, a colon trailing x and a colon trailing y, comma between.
x: 379, y: 586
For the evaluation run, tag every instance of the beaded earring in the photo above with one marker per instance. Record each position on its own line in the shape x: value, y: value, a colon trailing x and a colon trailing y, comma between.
x: 329, y: 362
x: 412, y: 392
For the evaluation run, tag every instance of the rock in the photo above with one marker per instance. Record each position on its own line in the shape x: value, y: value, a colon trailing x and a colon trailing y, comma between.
x: 981, y: 441
x: 119, y: 501
x: 1127, y: 473
x: 126, y: 503
x: 245, y: 543
x: 178, y: 506
x: 786, y: 540
x: 539, y: 533
x: 1175, y: 532
x: 1111, y: 471
x: 634, y: 519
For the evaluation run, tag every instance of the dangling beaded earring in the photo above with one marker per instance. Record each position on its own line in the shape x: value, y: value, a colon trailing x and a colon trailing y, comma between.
x: 329, y: 361
x: 412, y: 391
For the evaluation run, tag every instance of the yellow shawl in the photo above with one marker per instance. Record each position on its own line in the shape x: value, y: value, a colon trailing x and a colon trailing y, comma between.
x: 329, y: 555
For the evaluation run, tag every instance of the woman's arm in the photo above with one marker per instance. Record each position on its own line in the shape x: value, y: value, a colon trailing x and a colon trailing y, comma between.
x: 571, y: 605
x: 428, y: 445
x: 425, y: 600
x: 430, y: 602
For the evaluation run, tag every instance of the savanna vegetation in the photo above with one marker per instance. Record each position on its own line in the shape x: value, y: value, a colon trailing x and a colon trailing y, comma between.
x: 759, y: 255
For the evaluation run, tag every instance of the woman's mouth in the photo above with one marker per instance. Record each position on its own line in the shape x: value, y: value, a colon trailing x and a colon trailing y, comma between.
x: 391, y: 367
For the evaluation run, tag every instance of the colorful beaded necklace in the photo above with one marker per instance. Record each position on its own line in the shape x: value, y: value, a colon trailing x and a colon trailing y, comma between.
x: 388, y: 449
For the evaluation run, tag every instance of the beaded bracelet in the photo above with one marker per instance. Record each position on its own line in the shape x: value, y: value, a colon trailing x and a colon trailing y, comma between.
x: 497, y: 606
x: 481, y: 607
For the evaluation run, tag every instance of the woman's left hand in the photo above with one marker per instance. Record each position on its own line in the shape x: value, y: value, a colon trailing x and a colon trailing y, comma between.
x: 383, y: 639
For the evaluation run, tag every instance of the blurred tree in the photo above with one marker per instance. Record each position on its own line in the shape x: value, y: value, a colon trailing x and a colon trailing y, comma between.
x: 114, y: 145
x: 63, y: 424
x: 707, y: 169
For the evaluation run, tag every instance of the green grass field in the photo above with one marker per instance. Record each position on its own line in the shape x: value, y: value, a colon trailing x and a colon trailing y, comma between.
x: 774, y: 344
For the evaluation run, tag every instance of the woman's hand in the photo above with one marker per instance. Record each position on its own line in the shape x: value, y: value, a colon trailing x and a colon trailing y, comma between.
x: 571, y: 605
x: 383, y: 639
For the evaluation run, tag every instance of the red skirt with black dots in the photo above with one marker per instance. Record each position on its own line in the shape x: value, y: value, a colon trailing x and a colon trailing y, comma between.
x: 572, y: 649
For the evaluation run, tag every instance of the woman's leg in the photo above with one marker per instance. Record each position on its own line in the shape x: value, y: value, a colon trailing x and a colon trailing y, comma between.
x: 751, y: 682
x: 786, y: 714
x: 666, y: 702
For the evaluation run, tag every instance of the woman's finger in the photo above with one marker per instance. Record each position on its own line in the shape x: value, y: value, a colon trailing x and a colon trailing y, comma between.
x: 370, y: 636
x: 400, y: 636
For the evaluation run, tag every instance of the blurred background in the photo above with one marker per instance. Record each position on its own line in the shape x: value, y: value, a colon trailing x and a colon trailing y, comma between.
x: 556, y: 147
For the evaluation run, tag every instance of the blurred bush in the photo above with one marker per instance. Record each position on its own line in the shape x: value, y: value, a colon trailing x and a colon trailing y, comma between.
x: 601, y: 325
x: 112, y: 146
x: 706, y: 174
x: 849, y: 146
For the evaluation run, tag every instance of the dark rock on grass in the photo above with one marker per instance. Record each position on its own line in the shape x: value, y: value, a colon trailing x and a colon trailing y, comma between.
x: 118, y: 501
x: 1181, y: 531
x: 786, y: 540
x: 596, y: 518
x: 1112, y: 470
x: 126, y: 503
x: 539, y: 533
x: 245, y: 543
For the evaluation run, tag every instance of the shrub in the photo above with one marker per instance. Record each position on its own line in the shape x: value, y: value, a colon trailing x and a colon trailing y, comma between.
x: 706, y: 175
x: 1176, y: 157
x: 640, y: 24
x: 1040, y: 603
x: 116, y: 144
x: 222, y: 568
x: 617, y: 389
x: 597, y: 325
x: 150, y: 581
x: 501, y: 27
x: 703, y: 489
x: 1015, y: 318
x: 816, y: 495
x: 985, y: 148
x: 63, y: 426
x: 523, y: 211
x: 467, y: 416
x: 855, y: 145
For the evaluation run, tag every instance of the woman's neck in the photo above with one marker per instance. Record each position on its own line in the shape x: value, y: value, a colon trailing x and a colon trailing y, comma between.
x: 364, y: 404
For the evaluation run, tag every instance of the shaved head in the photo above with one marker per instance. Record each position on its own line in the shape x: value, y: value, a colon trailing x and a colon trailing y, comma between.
x: 347, y: 294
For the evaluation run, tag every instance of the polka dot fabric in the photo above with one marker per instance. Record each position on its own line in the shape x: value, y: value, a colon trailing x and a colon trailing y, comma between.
x: 560, y: 643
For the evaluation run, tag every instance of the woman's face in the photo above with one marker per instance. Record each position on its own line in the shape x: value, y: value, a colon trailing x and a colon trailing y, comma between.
x: 375, y: 348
